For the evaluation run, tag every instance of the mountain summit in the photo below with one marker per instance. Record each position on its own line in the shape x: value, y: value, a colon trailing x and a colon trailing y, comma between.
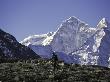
x: 75, y: 42
x: 103, y: 23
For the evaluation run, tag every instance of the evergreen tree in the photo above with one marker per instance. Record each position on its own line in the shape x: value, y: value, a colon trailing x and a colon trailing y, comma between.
x: 54, y: 57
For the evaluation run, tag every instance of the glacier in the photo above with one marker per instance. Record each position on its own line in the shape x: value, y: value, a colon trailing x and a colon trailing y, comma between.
x: 75, y: 42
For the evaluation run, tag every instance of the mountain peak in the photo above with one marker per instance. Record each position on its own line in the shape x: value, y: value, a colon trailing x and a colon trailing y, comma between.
x: 72, y: 18
x: 71, y: 22
x: 103, y: 23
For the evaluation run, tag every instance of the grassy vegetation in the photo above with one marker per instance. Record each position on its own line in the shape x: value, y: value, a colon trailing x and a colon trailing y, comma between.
x: 40, y: 70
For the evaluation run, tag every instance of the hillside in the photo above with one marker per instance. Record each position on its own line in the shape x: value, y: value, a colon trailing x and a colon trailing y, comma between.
x: 11, y: 48
x: 51, y: 71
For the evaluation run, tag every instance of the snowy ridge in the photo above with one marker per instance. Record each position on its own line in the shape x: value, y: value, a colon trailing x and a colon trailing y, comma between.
x: 38, y: 39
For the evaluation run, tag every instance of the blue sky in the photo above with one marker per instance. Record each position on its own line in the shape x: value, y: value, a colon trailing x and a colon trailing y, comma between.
x: 22, y: 18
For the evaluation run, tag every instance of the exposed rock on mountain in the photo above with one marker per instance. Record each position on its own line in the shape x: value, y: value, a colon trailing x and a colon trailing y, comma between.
x: 11, y: 48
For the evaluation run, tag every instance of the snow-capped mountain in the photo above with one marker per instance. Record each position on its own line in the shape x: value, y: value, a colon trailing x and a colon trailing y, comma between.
x: 11, y: 48
x: 96, y: 50
x: 75, y: 42
x: 71, y: 34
